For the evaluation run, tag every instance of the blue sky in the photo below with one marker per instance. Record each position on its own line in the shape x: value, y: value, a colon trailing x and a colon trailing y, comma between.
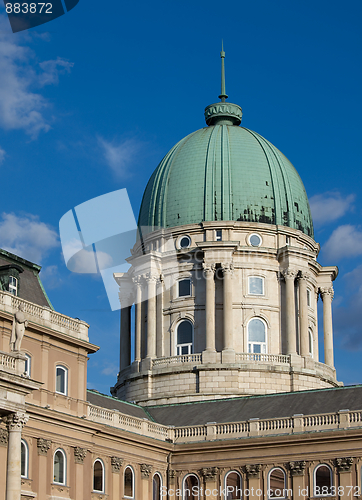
x: 92, y: 101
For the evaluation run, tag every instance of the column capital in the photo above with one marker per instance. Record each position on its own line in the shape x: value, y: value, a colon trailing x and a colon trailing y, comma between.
x: 289, y: 273
x: 43, y: 446
x: 326, y: 291
x: 209, y: 472
x: 151, y: 277
x: 297, y: 468
x: 253, y: 470
x: 145, y: 470
x: 116, y: 464
x: 208, y: 269
x: 16, y: 421
x: 79, y: 454
x: 137, y: 280
x: 227, y: 267
x: 344, y: 464
x: 303, y: 276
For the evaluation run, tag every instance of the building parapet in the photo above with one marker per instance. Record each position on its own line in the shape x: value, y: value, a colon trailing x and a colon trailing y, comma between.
x: 343, y: 419
x: 13, y: 363
x: 45, y: 316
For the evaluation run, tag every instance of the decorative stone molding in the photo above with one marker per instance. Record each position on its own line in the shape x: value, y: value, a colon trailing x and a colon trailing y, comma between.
x: 289, y: 274
x: 327, y: 291
x: 43, y: 446
x: 116, y: 464
x: 171, y: 474
x: 79, y: 454
x: 344, y: 464
x: 145, y: 470
x: 4, y: 437
x: 252, y: 470
x: 209, y: 472
x: 297, y: 468
x: 15, y: 421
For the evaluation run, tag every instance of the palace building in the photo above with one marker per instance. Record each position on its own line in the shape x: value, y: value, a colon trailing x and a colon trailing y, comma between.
x: 221, y: 394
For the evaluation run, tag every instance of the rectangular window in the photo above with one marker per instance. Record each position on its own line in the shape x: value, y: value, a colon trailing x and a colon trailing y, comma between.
x: 219, y: 235
x: 13, y: 285
x: 308, y: 297
x: 256, y: 285
x: 184, y: 288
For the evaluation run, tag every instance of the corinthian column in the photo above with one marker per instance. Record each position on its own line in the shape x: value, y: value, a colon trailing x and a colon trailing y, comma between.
x: 151, y: 316
x: 210, y: 307
x: 289, y: 276
x: 228, y: 269
x: 14, y: 423
x: 138, y: 283
x: 327, y: 297
x: 303, y: 314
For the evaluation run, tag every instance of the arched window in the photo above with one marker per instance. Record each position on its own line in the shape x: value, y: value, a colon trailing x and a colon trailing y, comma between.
x: 184, y: 337
x: 61, y: 380
x: 309, y: 298
x: 27, y: 370
x: 322, y: 480
x: 257, y: 336
x: 128, y: 482
x: 98, y: 476
x: 24, y: 459
x: 277, y: 483
x: 191, y: 487
x: 310, y: 338
x: 60, y: 467
x: 256, y: 285
x: 157, y: 485
x: 233, y: 486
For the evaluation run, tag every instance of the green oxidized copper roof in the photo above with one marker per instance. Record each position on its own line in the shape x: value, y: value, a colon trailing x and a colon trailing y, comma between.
x: 225, y: 172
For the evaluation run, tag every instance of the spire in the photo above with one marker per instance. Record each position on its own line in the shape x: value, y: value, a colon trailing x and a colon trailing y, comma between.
x: 223, y: 94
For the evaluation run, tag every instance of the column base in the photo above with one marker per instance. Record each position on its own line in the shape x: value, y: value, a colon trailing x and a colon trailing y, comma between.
x: 135, y: 367
x: 228, y: 356
x: 146, y: 364
x: 209, y: 356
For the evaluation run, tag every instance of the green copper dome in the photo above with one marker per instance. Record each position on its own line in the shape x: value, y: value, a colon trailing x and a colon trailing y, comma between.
x: 224, y: 172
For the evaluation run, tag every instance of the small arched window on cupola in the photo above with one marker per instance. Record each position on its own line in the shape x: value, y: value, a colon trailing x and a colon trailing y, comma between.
x: 184, y: 336
x: 257, y: 336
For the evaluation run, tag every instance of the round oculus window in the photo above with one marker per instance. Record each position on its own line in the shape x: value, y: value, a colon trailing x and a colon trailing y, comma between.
x: 184, y: 242
x: 255, y: 240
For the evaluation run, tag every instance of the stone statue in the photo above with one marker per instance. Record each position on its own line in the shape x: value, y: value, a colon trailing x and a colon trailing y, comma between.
x: 19, y: 325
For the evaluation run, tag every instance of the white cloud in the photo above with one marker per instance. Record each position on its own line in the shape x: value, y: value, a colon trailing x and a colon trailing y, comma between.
x: 2, y: 155
x: 330, y: 206
x: 120, y: 156
x: 345, y: 241
x: 21, y: 106
x: 52, y: 70
x: 26, y: 236
x: 110, y: 369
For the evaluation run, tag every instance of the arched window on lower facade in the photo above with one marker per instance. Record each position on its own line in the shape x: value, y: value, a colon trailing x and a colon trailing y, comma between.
x: 277, y: 485
x: 233, y: 486
x: 191, y: 487
x: 257, y: 336
x: 128, y: 482
x: 184, y: 336
x: 60, y: 467
x: 323, y: 480
x: 98, y: 476
x: 156, y: 486
x: 24, y: 459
